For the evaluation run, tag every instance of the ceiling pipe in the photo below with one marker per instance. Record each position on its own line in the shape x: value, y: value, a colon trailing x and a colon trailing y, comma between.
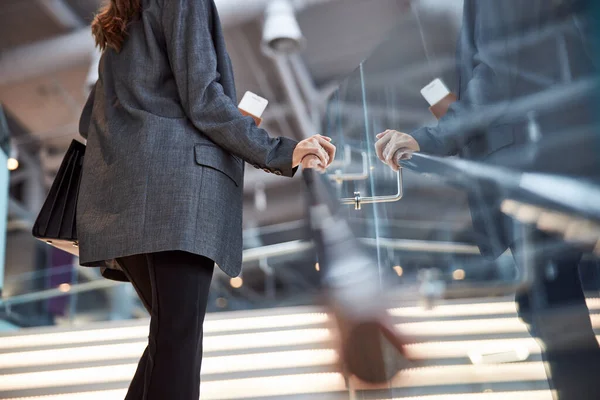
x: 294, y: 96
x: 46, y: 56
x: 281, y: 39
x: 38, y: 59
x: 314, y: 100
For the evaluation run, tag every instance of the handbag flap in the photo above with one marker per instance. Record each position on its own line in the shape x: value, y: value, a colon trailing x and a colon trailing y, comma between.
x: 70, y: 204
x: 60, y: 205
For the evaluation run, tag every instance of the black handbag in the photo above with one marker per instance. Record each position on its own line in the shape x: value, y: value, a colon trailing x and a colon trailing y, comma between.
x: 56, y: 221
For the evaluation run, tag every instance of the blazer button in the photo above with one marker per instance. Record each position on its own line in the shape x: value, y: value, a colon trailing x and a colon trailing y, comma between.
x: 277, y: 172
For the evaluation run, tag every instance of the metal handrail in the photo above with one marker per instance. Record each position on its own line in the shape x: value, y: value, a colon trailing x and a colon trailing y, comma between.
x: 56, y: 292
x: 252, y: 255
x: 538, y: 189
x: 45, y: 273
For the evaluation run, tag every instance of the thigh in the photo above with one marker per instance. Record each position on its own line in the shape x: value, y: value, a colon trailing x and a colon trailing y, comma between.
x: 136, y: 269
x: 180, y: 286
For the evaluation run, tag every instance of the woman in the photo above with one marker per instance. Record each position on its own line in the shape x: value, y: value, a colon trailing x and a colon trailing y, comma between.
x: 161, y: 191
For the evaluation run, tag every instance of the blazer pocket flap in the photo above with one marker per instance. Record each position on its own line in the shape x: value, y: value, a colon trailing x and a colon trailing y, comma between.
x: 212, y: 156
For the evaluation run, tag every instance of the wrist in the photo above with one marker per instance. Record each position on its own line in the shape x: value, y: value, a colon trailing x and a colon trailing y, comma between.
x: 296, y: 159
x: 309, y: 155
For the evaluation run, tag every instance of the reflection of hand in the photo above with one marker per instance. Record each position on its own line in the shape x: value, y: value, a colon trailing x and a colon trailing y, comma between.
x: 311, y: 161
x: 393, y: 146
x: 318, y: 146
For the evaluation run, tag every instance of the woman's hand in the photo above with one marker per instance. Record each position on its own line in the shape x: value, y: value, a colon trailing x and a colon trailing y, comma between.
x: 318, y: 146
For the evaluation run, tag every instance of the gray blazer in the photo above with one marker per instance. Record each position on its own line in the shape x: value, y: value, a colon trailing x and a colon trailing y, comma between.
x: 166, y: 143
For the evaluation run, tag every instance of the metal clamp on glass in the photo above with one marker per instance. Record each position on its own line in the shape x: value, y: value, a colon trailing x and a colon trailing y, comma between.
x: 358, y: 200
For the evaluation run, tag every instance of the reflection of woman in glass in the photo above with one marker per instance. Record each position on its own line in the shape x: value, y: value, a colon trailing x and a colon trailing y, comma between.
x: 508, y: 50
x: 162, y: 181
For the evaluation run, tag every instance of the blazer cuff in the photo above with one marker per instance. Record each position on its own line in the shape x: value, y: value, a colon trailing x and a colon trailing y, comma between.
x: 281, y: 158
x: 427, y: 141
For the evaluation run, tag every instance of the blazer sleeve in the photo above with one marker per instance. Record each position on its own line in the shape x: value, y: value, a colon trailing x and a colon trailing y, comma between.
x: 480, y: 83
x: 191, y: 51
x: 86, y: 114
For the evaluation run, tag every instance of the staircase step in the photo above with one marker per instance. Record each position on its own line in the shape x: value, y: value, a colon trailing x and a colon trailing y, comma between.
x: 289, y: 353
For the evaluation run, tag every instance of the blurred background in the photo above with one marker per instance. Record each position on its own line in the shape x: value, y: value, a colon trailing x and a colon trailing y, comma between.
x: 349, y: 69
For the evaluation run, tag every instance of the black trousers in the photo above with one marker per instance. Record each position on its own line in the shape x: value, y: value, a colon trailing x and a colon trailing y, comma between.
x: 173, y: 286
x: 556, y: 313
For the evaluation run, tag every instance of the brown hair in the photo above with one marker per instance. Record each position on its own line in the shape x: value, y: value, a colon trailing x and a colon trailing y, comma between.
x: 110, y: 24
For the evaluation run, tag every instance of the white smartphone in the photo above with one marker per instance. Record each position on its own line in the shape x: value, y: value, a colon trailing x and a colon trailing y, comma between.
x: 435, y: 91
x: 253, y: 104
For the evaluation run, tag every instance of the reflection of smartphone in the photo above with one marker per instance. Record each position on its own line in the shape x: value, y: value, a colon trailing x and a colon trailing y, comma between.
x: 435, y: 92
x: 253, y: 106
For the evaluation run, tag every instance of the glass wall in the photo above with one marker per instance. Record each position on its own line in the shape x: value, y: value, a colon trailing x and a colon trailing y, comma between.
x: 495, y: 214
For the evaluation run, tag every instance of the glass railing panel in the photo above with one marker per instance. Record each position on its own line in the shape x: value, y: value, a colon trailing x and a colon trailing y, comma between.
x: 468, y: 222
x: 384, y: 93
x: 278, y: 274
